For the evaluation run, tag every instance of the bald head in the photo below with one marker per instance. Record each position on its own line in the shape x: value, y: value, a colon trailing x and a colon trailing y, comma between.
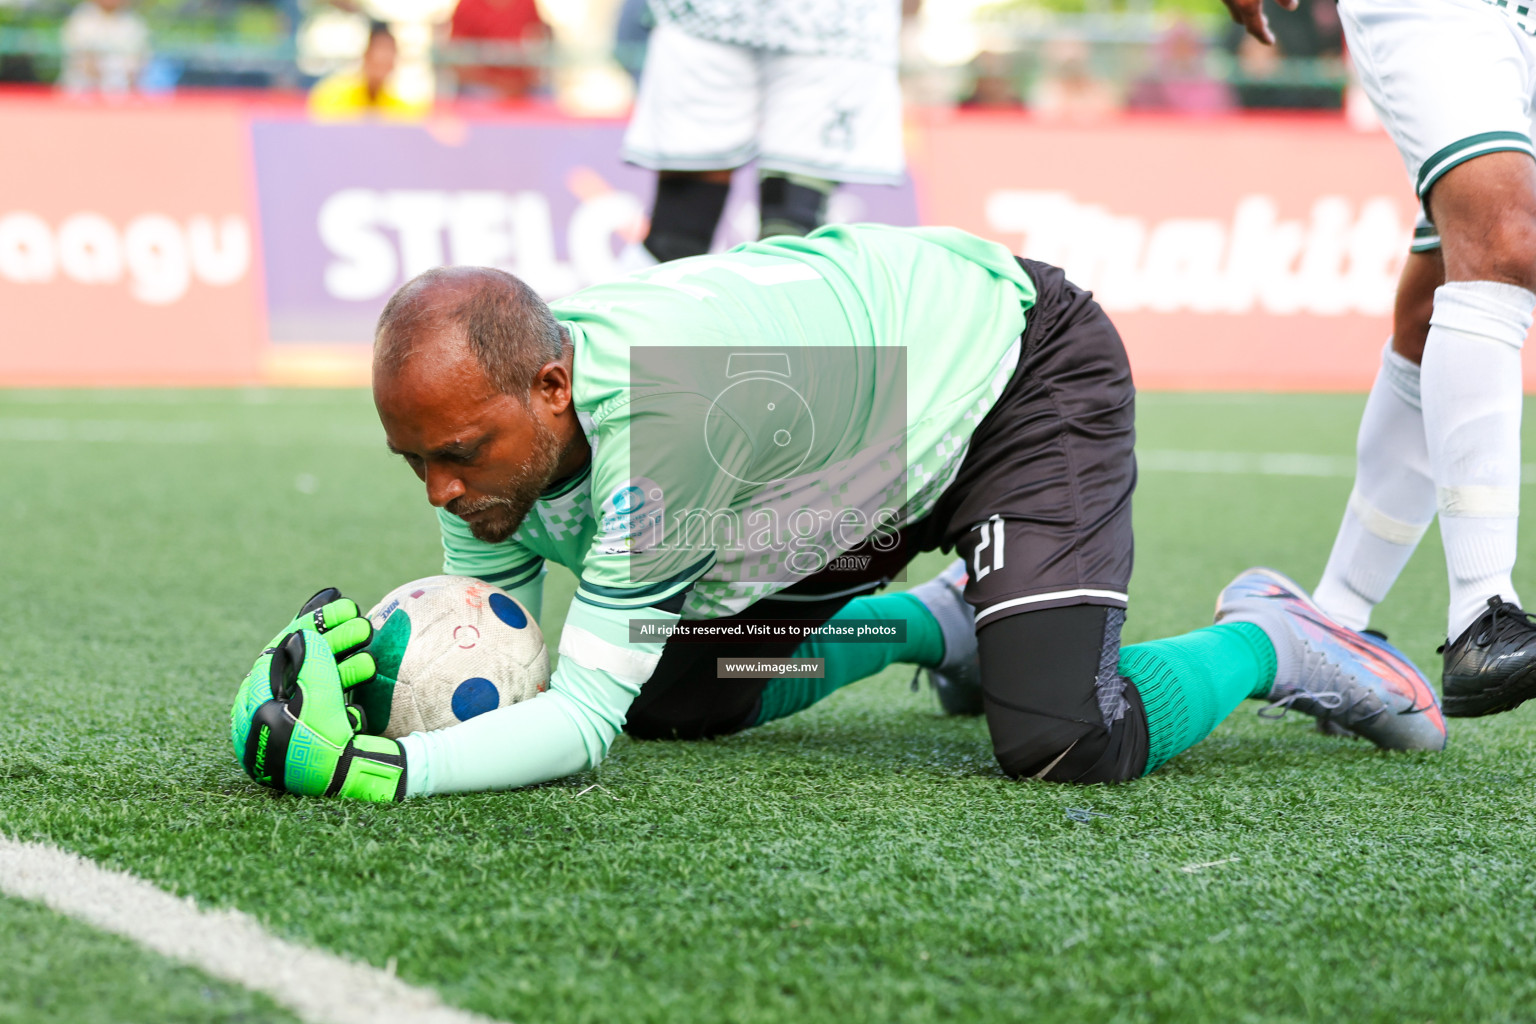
x: 472, y: 381
x: 437, y: 318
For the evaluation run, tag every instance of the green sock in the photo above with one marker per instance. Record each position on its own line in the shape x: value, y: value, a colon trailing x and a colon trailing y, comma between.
x: 848, y: 663
x: 1189, y: 683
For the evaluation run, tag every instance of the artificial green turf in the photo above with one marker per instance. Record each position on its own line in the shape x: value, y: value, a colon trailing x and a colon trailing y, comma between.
x: 863, y: 861
x: 57, y: 971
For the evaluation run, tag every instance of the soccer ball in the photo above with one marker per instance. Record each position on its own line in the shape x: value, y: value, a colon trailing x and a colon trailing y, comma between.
x: 449, y: 648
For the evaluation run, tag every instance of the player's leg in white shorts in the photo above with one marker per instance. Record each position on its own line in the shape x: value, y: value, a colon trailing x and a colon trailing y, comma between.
x: 826, y: 120
x: 696, y: 118
x: 697, y: 108
x: 1453, y: 81
x: 831, y: 117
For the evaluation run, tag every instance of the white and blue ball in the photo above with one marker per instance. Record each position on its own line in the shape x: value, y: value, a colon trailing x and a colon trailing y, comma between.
x: 450, y: 648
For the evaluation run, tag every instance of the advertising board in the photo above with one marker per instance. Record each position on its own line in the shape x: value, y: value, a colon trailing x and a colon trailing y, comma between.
x: 198, y: 242
x: 1231, y: 252
x: 351, y: 212
x: 128, y: 247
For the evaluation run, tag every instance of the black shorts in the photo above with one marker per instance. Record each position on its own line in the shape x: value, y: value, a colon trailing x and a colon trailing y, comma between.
x: 1041, y: 512
x: 1041, y: 508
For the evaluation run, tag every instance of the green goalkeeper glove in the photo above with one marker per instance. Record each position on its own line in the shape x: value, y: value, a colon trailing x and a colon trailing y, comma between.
x: 291, y: 725
x: 337, y: 618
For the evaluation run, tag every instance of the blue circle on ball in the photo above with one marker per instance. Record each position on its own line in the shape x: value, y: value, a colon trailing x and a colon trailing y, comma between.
x: 474, y: 697
x: 507, y: 611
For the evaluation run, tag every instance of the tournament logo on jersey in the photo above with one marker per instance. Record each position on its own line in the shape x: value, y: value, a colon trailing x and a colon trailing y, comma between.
x: 630, y: 519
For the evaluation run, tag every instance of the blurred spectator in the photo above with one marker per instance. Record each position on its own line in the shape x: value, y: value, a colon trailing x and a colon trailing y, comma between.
x: 1302, y: 71
x: 18, y: 67
x: 1265, y: 79
x: 994, y: 86
x: 329, y: 39
x: 1180, y: 80
x: 105, y: 47
x: 1069, y: 90
x: 513, y: 23
x: 1311, y: 30
x: 368, y: 91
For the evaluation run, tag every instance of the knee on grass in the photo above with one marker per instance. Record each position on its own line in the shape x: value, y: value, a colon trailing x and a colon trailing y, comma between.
x: 1092, y: 756
x: 1057, y: 708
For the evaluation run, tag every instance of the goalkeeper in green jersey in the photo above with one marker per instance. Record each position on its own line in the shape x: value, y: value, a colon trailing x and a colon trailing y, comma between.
x: 754, y: 444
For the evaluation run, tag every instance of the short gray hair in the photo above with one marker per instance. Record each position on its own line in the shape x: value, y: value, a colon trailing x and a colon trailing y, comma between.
x: 511, y: 332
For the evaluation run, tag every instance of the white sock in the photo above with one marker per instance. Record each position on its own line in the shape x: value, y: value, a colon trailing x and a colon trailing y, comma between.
x: 1472, y: 393
x: 1393, y: 500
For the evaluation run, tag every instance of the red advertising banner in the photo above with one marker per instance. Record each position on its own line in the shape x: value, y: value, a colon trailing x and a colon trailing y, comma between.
x: 128, y: 252
x: 1232, y: 253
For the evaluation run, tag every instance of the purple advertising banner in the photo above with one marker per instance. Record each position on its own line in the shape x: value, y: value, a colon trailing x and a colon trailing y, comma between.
x: 350, y: 212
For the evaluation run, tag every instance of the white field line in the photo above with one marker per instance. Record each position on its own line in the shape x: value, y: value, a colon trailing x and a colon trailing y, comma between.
x: 1151, y: 460
x: 156, y: 396
x: 1190, y: 869
x: 319, y: 987
x: 1158, y: 460
x: 174, y: 432
x: 110, y: 431
x: 1165, y: 460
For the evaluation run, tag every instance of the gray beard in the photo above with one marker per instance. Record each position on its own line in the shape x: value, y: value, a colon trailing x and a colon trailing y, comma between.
x: 534, y: 474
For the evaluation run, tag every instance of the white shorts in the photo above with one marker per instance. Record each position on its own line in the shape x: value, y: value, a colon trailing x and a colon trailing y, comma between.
x: 1451, y: 79
x: 708, y: 106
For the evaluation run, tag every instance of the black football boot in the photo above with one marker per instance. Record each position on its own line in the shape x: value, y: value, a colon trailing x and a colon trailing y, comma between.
x: 1492, y: 666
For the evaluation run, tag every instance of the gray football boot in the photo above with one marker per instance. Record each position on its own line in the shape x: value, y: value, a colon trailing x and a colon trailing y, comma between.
x: 1345, y: 679
x: 956, y: 679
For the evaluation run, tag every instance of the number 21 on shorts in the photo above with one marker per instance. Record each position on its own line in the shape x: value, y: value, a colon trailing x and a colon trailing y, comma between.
x: 983, y: 563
